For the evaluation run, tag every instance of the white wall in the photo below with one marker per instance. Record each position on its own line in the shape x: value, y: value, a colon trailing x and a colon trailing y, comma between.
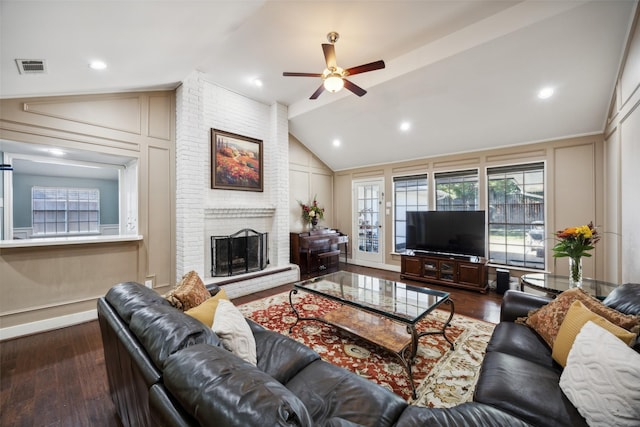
x: 308, y: 178
x: 622, y: 174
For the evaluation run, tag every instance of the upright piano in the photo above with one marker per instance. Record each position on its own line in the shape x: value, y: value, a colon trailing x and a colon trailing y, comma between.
x: 318, y: 250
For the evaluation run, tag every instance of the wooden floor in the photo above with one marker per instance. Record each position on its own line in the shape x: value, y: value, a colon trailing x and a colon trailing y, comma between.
x: 58, y: 378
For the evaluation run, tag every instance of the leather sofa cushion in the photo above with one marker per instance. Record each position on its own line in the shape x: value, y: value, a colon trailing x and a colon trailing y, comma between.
x: 163, y: 330
x: 329, y: 391
x: 625, y: 299
x: 466, y: 414
x: 127, y: 298
x: 521, y: 341
x: 526, y: 390
x: 280, y: 356
x: 220, y: 389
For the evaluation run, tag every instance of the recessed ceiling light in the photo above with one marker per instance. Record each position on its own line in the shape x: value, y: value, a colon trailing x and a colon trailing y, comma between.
x: 97, y: 65
x: 545, y: 93
x: 405, y: 126
x: 336, y: 142
x: 257, y: 82
x: 56, y: 152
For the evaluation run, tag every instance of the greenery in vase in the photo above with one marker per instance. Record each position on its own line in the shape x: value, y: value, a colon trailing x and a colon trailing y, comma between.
x: 311, y: 211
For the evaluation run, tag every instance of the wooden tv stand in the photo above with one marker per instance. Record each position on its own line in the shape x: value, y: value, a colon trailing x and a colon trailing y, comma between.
x: 448, y: 270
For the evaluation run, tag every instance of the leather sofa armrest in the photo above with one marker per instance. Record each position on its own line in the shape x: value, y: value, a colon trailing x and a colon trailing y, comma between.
x: 165, y: 411
x: 212, y: 288
x: 518, y: 304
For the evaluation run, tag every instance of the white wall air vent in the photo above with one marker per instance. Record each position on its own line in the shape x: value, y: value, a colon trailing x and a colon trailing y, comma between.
x: 31, y: 66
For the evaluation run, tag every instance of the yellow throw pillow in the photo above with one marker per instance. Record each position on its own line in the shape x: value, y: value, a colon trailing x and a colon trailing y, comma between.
x: 577, y: 316
x: 205, y: 312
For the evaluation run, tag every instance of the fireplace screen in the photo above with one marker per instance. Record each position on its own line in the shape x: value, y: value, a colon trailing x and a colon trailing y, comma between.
x: 242, y: 252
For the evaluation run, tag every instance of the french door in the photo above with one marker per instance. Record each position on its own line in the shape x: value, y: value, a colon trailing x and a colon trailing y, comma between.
x: 368, y: 218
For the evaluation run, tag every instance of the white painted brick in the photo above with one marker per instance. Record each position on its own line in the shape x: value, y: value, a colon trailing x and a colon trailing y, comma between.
x: 202, y: 106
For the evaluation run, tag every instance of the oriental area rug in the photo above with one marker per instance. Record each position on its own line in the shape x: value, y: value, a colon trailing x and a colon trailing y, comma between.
x: 443, y: 377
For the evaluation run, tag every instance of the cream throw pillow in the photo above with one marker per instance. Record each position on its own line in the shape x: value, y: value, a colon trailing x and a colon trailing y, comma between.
x: 573, y: 322
x: 234, y: 331
x: 601, y: 378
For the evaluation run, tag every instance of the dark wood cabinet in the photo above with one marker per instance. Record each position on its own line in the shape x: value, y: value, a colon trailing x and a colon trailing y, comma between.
x: 460, y: 272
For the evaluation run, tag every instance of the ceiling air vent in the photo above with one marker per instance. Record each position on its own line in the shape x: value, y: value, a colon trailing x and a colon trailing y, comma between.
x: 31, y: 66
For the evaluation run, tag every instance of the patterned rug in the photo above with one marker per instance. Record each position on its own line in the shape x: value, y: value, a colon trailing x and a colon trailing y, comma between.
x: 443, y: 377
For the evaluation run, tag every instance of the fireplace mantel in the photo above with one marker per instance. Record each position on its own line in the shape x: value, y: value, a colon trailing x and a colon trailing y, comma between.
x: 239, y: 212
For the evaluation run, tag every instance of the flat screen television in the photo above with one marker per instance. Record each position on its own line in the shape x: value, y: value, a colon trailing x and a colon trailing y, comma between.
x: 447, y: 232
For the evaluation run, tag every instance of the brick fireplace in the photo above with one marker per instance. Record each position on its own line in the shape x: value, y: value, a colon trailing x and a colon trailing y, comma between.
x: 202, y: 212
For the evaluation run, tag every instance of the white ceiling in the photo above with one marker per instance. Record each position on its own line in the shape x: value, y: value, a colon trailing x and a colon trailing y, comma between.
x: 464, y: 73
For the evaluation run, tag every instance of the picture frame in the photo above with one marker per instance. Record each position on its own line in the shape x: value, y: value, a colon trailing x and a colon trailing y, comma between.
x: 236, y: 162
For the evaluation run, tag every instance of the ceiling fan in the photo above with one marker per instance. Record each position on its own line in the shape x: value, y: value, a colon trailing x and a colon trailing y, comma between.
x: 334, y: 77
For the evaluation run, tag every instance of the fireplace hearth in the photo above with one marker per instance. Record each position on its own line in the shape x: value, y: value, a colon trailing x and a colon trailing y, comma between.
x: 243, y: 252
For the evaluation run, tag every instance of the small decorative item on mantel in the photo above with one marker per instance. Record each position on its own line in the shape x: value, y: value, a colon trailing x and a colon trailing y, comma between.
x: 312, y: 213
x: 575, y: 243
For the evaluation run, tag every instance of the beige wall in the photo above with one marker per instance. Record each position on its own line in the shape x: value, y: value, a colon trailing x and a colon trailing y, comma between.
x: 42, y: 283
x: 574, y: 176
x: 308, y: 177
x: 622, y: 173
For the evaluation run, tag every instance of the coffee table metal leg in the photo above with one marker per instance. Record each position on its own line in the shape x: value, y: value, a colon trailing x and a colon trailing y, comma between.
x: 408, y: 362
x: 298, y: 317
x: 291, y: 293
x: 443, y: 332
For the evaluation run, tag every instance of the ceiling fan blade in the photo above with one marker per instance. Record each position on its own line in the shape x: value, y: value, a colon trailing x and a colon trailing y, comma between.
x: 287, y: 74
x: 317, y: 93
x: 377, y: 65
x: 329, y: 55
x: 354, y: 88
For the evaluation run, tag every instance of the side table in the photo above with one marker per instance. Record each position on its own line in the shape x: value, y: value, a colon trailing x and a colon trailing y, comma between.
x: 553, y: 284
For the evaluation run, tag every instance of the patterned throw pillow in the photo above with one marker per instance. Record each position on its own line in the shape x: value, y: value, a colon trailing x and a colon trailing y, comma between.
x: 546, y: 320
x: 189, y: 293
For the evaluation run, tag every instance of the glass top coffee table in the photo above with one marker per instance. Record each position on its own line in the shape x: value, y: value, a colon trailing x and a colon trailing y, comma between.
x: 383, y: 312
x: 554, y: 285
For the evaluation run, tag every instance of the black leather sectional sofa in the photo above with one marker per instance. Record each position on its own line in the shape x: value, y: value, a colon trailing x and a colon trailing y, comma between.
x: 168, y: 369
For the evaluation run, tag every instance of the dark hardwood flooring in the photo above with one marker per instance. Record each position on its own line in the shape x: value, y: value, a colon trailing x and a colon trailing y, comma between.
x: 58, y: 378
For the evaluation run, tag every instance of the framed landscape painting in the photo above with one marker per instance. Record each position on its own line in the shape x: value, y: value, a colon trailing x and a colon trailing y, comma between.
x: 236, y: 162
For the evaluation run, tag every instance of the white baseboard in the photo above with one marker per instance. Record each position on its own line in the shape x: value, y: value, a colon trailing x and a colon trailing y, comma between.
x: 47, y: 324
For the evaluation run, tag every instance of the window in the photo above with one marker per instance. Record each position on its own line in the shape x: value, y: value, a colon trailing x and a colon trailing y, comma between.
x: 516, y: 215
x: 410, y: 194
x: 457, y: 191
x: 62, y: 211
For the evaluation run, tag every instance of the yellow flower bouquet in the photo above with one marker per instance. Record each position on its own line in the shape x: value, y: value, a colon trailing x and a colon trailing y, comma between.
x: 575, y: 243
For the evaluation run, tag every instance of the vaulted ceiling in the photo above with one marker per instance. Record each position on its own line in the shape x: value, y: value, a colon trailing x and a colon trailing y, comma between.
x: 463, y: 74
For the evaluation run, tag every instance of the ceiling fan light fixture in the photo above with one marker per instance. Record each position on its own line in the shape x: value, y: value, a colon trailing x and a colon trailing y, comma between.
x: 333, y: 82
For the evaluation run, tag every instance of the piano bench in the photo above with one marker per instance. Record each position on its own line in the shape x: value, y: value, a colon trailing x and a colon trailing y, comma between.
x: 328, y: 260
